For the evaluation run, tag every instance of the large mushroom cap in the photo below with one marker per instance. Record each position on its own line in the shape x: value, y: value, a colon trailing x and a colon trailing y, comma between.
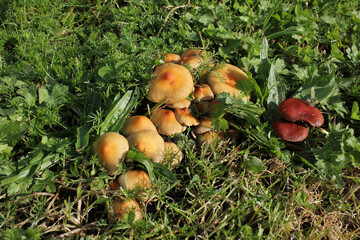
x: 166, y: 122
x: 121, y: 207
x: 132, y: 179
x: 289, y: 131
x: 172, y: 82
x: 294, y: 109
x: 172, y: 154
x: 224, y: 79
x: 150, y: 143
x: 184, y: 116
x: 111, y: 148
x: 138, y: 123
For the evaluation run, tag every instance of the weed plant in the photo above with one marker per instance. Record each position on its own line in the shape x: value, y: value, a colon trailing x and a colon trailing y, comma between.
x: 72, y: 70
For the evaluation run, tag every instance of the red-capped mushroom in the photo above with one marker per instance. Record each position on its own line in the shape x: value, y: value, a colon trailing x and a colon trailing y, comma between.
x: 294, y: 109
x: 289, y: 131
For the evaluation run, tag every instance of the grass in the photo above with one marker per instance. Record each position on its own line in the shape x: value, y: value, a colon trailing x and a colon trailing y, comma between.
x: 66, y: 69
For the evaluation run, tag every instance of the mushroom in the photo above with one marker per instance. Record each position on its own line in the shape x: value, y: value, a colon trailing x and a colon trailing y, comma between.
x: 171, y: 57
x: 181, y: 104
x: 121, y: 207
x: 192, y: 62
x: 171, y: 83
x: 132, y: 179
x: 172, y: 154
x: 289, y: 131
x: 111, y: 148
x: 209, y: 137
x: 114, y: 185
x: 166, y: 122
x: 192, y: 52
x: 148, y: 142
x: 203, y: 106
x: 203, y: 92
x: 138, y: 123
x: 294, y: 109
x: 184, y: 116
x: 205, y: 125
x: 224, y: 79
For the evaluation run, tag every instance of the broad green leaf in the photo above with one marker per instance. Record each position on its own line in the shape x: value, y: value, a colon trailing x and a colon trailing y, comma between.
x: 119, y: 111
x: 254, y: 164
x: 164, y: 172
x: 104, y: 70
x: 288, y: 31
x: 355, y: 111
x: 82, y: 137
x: 139, y: 157
x: 277, y: 91
x: 11, y: 131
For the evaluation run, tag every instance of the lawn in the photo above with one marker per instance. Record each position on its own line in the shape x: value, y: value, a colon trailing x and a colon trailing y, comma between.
x: 72, y: 70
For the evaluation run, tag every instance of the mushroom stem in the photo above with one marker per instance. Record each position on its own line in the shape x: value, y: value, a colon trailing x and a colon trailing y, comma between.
x: 323, y: 131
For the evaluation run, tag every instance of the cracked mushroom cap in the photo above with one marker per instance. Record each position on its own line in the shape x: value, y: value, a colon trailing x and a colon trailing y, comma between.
x: 149, y: 143
x: 138, y: 123
x: 166, y: 122
x: 172, y: 154
x: 203, y: 93
x: 289, y: 131
x: 224, y: 79
x: 171, y: 83
x: 184, y: 116
x: 121, y: 207
x: 294, y: 109
x: 111, y: 148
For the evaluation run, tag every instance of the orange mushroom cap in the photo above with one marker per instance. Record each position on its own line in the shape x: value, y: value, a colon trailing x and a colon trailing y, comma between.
x: 132, y: 179
x: 289, y: 131
x: 224, y: 79
x: 184, y: 116
x: 111, y: 148
x: 172, y: 82
x: 166, y: 122
x: 138, y: 123
x: 203, y: 92
x: 181, y: 104
x: 148, y: 142
x: 205, y: 125
x: 121, y: 207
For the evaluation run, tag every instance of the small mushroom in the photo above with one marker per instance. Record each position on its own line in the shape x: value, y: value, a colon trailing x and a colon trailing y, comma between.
x: 166, y: 122
x: 138, y: 123
x: 289, y: 131
x: 202, y: 106
x: 181, y: 104
x: 203, y: 93
x: 111, y: 148
x: 224, y: 79
x: 171, y: 83
x: 192, y: 62
x: 294, y: 109
x: 148, y: 142
x: 184, y: 116
x: 209, y: 137
x: 132, y: 179
x: 121, y: 207
x: 205, y: 125
x: 170, y: 57
x: 172, y: 154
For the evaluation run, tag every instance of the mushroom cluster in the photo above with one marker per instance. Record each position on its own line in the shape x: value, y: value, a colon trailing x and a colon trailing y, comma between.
x: 172, y: 83
x: 294, y: 113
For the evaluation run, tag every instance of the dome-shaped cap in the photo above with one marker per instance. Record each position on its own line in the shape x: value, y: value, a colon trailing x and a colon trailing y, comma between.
x: 138, y: 123
x: 132, y: 179
x: 181, y: 104
x: 203, y: 92
x: 166, y: 122
x: 294, y: 109
x: 184, y: 116
x: 205, y: 125
x: 111, y: 148
x: 148, y: 142
x: 289, y: 131
x: 224, y: 79
x: 121, y: 207
x: 172, y: 154
x: 171, y: 82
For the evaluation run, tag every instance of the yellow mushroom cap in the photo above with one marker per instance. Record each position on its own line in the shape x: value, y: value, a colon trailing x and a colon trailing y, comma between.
x: 205, y: 125
x: 224, y: 79
x: 184, y: 116
x: 138, y: 123
x: 172, y: 82
x: 181, y: 104
x: 209, y: 137
x: 166, y: 122
x: 132, y: 179
x: 172, y: 154
x: 203, y: 92
x: 192, y: 62
x: 192, y: 52
x: 121, y: 207
x: 149, y: 142
x: 111, y: 148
